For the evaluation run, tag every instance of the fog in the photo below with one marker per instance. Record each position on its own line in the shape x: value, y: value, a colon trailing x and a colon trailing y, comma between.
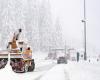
x: 70, y: 13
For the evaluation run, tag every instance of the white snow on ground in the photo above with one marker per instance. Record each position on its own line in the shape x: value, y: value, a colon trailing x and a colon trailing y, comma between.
x: 56, y: 73
x: 49, y: 70
x: 74, y: 71
x: 42, y: 66
x: 83, y: 70
x: 39, y: 58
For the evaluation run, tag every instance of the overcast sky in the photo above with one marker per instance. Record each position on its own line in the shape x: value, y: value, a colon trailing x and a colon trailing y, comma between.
x: 71, y: 14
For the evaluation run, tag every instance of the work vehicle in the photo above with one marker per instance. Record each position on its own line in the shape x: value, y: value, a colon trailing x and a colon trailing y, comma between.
x: 18, y: 60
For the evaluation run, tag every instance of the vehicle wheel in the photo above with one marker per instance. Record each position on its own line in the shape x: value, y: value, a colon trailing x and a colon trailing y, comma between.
x: 32, y: 67
x: 26, y: 68
x: 3, y: 63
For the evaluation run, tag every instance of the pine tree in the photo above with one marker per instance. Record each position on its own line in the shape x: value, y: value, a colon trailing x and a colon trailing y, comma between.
x: 45, y: 26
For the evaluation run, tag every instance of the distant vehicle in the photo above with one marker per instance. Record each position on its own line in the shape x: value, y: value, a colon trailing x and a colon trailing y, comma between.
x: 73, y: 59
x: 61, y: 60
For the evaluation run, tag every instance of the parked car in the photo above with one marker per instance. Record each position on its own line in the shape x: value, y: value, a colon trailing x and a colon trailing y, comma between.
x: 61, y: 60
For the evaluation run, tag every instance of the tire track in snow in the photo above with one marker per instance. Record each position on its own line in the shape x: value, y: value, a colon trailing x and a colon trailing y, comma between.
x: 66, y: 74
x: 43, y: 69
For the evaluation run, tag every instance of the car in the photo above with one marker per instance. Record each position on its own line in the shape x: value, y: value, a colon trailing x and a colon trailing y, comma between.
x: 61, y: 60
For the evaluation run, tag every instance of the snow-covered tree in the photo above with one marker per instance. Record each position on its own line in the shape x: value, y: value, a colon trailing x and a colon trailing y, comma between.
x: 34, y: 18
x: 45, y: 26
x: 58, y: 41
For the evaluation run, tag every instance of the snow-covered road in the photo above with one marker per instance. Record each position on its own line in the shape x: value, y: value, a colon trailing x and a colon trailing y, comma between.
x: 49, y: 70
x: 58, y: 72
x: 74, y: 71
x: 41, y: 68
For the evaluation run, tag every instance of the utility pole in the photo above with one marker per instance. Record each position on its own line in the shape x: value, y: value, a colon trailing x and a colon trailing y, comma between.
x: 84, y: 21
x: 65, y: 47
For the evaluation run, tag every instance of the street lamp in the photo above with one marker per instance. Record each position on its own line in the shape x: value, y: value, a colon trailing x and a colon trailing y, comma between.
x: 84, y: 21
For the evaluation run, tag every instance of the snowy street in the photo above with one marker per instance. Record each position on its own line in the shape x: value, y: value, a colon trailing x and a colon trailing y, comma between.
x: 49, y: 40
x: 56, y: 73
x: 74, y: 71
x: 40, y: 70
x: 49, y: 70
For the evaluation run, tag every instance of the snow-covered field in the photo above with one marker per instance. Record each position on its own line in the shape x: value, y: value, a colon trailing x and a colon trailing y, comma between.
x: 49, y: 70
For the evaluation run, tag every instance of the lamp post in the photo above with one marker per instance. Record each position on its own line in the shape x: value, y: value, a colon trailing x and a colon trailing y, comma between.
x: 84, y: 21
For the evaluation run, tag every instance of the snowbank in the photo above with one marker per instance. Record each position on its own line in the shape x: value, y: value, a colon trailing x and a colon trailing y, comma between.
x: 83, y: 71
